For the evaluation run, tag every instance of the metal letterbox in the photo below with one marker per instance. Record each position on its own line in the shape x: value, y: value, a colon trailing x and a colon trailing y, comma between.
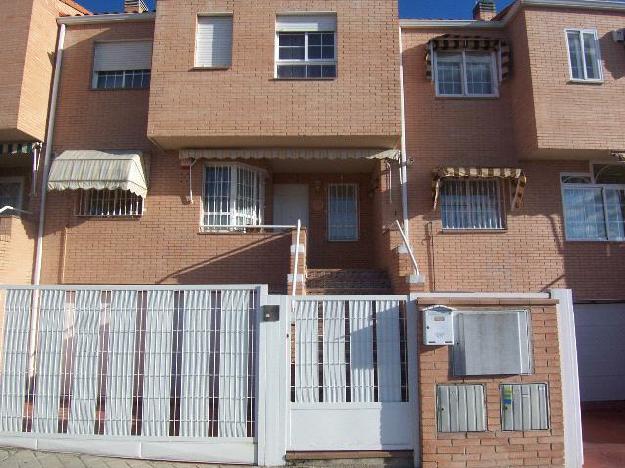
x: 438, y: 326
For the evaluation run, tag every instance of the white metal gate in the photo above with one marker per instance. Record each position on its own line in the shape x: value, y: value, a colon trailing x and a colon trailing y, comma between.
x: 143, y: 372
x: 353, y: 373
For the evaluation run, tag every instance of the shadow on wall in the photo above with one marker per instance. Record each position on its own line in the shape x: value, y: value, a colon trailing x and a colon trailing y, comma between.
x: 613, y: 64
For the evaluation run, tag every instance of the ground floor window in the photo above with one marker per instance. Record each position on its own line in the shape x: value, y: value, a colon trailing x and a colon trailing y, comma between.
x: 343, y: 212
x: 109, y: 203
x: 594, y: 204
x: 472, y: 204
x: 233, y: 196
x: 11, y: 189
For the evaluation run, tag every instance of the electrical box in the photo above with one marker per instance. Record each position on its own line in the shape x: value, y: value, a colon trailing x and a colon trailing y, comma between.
x: 460, y: 408
x: 618, y: 35
x: 438, y: 326
x: 524, y: 407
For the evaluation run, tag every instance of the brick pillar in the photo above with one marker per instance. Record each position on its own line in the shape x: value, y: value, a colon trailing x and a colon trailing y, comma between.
x: 301, y: 262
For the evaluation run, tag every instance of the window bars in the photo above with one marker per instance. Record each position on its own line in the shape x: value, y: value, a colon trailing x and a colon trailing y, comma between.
x: 131, y: 362
x: 343, y: 212
x: 472, y: 204
x: 109, y: 203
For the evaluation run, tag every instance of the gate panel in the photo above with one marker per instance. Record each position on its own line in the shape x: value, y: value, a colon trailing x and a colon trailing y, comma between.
x: 350, y: 374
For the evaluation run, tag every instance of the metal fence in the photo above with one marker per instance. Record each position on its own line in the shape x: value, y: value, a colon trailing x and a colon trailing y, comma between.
x: 142, y: 362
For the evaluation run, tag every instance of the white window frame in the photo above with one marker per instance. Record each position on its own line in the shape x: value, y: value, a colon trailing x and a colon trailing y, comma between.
x: 262, y: 173
x: 94, y: 77
x: 463, y: 71
x: 125, y: 75
x: 329, y: 220
x: 222, y: 14
x: 581, y: 32
x: 20, y: 200
x: 305, y: 60
x: 85, y: 199
x: 501, y: 204
x: 592, y: 185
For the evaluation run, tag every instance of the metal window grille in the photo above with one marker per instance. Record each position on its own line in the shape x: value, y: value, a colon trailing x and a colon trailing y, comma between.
x: 109, y: 203
x: 233, y: 196
x: 472, y: 204
x: 351, y: 351
x: 343, y: 212
x: 123, y: 79
x: 130, y: 362
x: 10, y: 192
x: 306, y: 55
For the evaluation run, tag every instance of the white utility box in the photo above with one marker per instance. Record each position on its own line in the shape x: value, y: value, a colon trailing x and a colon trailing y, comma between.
x: 438, y: 326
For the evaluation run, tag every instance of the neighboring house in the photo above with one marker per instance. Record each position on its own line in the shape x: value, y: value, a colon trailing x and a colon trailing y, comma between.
x: 29, y: 41
x: 475, y: 165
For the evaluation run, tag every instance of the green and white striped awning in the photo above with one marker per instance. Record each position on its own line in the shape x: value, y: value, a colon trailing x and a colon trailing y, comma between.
x: 14, y: 149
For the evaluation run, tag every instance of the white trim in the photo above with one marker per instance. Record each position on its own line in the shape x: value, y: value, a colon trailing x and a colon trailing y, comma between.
x: 301, y: 248
x: 305, y: 60
x: 463, y: 72
x: 20, y: 197
x: 299, y: 278
x: 107, y: 18
x: 480, y: 295
x: 583, y: 55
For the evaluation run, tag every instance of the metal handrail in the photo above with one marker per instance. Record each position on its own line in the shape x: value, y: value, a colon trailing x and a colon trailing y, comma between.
x: 299, y: 232
x: 10, y: 208
x: 407, y: 244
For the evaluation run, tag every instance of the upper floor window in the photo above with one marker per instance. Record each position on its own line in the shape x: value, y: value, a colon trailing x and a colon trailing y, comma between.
x: 468, y: 203
x: 584, y: 55
x: 306, y: 46
x: 466, y: 73
x: 109, y: 203
x: 594, y: 204
x: 233, y: 196
x: 11, y: 189
x: 122, y: 65
x: 213, y: 41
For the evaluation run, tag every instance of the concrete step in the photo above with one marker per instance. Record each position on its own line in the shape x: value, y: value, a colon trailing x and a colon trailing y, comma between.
x: 347, y: 281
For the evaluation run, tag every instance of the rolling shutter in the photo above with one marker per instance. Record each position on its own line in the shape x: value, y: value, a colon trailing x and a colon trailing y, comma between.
x: 306, y: 23
x: 125, y: 55
x: 213, y: 46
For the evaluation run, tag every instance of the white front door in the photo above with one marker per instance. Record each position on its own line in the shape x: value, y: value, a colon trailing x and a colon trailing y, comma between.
x: 290, y: 203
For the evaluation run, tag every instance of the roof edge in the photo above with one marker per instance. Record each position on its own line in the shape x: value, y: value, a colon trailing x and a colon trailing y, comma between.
x: 451, y: 24
x: 108, y: 18
x: 76, y: 6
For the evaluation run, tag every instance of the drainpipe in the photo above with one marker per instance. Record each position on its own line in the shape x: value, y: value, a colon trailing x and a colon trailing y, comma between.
x: 48, y: 154
x: 403, y: 171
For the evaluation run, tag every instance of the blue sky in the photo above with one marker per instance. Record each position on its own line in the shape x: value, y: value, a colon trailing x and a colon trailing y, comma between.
x: 455, y: 9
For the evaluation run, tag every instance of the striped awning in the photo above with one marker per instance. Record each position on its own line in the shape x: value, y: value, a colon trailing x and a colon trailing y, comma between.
x: 450, y: 42
x: 516, y: 175
x: 12, y: 149
x: 618, y: 155
x: 288, y: 153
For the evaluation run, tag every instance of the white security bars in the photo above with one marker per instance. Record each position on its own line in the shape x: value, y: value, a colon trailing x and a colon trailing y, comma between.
x: 343, y: 212
x: 145, y: 363
x: 107, y: 203
x: 472, y: 204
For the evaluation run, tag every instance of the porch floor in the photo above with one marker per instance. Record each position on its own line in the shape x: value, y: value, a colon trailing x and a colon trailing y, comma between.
x: 603, y: 430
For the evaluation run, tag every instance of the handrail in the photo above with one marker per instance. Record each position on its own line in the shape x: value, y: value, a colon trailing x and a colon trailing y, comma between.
x: 299, y: 232
x: 407, y: 244
x: 10, y: 208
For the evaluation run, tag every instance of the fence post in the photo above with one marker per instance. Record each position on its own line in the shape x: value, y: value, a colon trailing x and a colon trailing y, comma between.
x: 272, y: 382
x: 573, y: 445
x: 412, y: 317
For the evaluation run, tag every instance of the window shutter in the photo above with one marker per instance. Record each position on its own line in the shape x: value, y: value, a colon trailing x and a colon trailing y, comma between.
x: 213, y: 46
x: 306, y: 23
x: 127, y: 55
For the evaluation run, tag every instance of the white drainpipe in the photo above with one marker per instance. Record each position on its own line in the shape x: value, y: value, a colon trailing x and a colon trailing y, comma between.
x: 48, y: 154
x: 403, y: 171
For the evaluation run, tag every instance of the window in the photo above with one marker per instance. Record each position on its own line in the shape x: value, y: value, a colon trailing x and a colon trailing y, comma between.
x: 343, y: 212
x: 213, y: 41
x: 466, y: 73
x: 306, y: 47
x: 11, y: 189
x: 109, y: 203
x: 233, y: 196
x: 472, y: 204
x: 584, y: 56
x: 122, y: 65
x: 594, y: 204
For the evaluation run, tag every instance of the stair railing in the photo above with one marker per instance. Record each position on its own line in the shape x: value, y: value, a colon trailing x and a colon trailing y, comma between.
x: 409, y: 249
x: 296, y: 262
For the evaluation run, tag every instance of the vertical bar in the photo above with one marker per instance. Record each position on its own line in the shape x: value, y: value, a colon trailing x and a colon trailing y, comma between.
x: 388, y: 350
x: 334, y: 369
x: 361, y: 351
x: 306, y: 358
x: 13, y: 380
x: 85, y: 362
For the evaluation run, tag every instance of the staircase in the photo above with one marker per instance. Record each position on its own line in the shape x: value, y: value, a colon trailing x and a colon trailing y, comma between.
x: 347, y: 282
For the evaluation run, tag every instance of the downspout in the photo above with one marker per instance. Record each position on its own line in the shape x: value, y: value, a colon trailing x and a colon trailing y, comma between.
x: 48, y: 154
x: 403, y: 177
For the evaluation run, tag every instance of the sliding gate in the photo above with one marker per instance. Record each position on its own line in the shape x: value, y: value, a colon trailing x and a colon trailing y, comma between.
x: 353, y: 374
x: 141, y: 372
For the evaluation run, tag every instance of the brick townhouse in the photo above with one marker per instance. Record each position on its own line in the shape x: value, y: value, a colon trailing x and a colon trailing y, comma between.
x: 476, y: 165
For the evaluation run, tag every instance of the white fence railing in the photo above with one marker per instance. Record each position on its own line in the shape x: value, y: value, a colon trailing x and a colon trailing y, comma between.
x: 142, y: 363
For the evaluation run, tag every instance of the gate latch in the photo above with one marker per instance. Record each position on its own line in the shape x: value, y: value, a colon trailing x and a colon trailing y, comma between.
x: 271, y: 313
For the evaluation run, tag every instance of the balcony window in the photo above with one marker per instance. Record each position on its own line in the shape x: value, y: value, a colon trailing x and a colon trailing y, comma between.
x: 122, y: 65
x: 233, y: 196
x: 466, y: 74
x: 468, y: 204
x: 594, y: 204
x: 306, y: 47
x: 584, y: 55
x: 11, y: 189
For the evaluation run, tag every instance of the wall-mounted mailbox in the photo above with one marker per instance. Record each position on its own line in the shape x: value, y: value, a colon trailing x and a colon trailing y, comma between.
x: 438, y: 326
x: 271, y: 313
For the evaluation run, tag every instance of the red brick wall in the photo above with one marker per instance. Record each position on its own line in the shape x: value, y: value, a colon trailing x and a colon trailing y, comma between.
x: 494, y: 447
x: 17, y: 247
